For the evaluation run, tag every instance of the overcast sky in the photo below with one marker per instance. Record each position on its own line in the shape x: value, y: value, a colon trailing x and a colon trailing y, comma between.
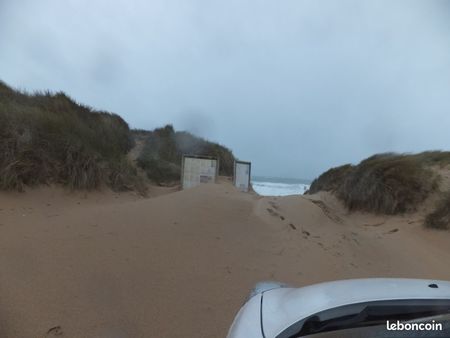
x: 293, y: 86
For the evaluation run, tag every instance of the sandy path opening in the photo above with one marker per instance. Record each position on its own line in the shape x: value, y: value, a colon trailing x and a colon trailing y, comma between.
x: 180, y: 265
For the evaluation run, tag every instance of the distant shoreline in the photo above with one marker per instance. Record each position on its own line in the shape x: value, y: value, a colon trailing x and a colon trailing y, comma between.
x: 287, y: 180
x: 276, y: 186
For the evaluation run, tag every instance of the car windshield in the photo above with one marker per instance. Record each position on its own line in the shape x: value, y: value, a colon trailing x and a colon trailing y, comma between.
x: 382, y: 314
x: 381, y: 331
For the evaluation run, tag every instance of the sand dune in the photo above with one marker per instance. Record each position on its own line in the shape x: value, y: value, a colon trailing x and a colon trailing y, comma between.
x: 181, y: 264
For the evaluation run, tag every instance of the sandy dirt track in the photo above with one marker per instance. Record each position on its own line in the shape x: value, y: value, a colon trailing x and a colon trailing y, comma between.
x: 181, y: 264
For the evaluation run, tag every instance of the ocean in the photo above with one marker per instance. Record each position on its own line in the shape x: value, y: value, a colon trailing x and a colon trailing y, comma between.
x: 276, y: 186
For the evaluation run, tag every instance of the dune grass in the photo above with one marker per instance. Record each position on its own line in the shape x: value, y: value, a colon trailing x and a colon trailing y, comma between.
x: 388, y: 184
x: 385, y: 183
x: 163, y: 150
x: 49, y: 138
x: 439, y: 218
x: 330, y: 180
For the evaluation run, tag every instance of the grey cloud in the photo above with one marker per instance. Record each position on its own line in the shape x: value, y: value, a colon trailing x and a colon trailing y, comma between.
x: 311, y: 84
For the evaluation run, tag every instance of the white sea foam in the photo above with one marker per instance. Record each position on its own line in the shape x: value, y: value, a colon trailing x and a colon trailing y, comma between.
x: 279, y: 188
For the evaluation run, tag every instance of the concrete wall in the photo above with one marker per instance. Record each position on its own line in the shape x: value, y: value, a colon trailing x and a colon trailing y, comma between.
x: 198, y: 170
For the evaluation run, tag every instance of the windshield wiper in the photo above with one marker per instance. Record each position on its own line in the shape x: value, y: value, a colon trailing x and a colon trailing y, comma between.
x: 369, y: 316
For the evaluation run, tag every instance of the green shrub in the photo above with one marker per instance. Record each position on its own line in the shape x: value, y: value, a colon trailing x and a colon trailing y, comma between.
x: 49, y: 138
x: 164, y: 148
x: 439, y: 218
x: 385, y: 183
x: 123, y: 176
x: 160, y: 171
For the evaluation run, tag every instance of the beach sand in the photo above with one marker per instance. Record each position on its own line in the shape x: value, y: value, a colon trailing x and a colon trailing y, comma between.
x: 181, y: 263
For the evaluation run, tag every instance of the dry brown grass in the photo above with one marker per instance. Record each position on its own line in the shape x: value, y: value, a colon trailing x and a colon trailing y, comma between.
x: 49, y: 138
x: 388, y: 184
x: 385, y: 183
x: 439, y: 218
x: 330, y: 180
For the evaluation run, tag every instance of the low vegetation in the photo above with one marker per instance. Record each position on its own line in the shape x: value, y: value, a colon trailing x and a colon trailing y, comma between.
x: 385, y: 183
x: 440, y: 217
x: 330, y: 180
x: 163, y: 149
x: 49, y: 138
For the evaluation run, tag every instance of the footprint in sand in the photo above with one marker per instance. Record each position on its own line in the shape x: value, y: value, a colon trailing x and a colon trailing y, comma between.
x: 327, y: 211
x: 373, y: 225
x: 275, y: 214
x: 272, y: 212
x: 392, y: 231
x: 54, y: 332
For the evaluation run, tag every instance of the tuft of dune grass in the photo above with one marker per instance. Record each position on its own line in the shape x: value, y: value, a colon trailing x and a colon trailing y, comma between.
x: 49, y: 138
x: 385, y: 183
x: 439, y: 218
x: 330, y: 180
x: 388, y: 184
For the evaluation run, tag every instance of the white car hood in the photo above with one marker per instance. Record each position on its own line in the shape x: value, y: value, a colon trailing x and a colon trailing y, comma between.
x: 247, y: 322
x: 285, y: 306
